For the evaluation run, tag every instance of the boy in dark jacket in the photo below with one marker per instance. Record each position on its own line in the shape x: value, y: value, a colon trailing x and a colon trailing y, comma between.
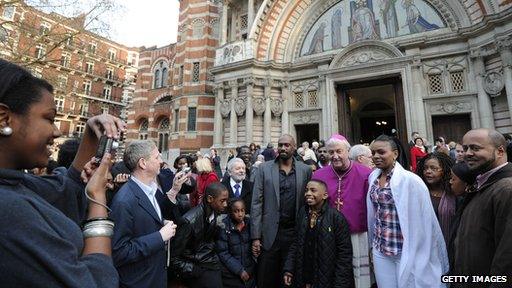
x: 234, y: 247
x: 321, y: 255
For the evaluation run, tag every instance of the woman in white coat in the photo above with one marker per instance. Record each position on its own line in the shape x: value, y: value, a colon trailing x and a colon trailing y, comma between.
x: 407, y: 243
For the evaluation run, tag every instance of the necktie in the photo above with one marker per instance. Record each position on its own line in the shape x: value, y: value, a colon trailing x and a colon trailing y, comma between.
x: 237, y: 190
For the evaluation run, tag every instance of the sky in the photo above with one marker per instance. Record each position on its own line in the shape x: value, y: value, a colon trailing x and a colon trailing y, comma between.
x: 145, y: 23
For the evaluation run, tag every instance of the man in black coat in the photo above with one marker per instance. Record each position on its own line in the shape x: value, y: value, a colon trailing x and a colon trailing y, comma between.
x: 321, y: 255
x: 236, y: 184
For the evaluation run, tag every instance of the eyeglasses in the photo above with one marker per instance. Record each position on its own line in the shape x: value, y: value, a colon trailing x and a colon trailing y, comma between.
x: 433, y: 169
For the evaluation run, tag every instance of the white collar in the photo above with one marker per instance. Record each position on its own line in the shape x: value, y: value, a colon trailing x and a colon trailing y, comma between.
x: 233, y: 183
x: 149, y: 190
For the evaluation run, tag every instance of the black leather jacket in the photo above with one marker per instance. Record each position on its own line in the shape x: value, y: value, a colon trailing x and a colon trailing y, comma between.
x: 193, y: 247
x: 333, y: 250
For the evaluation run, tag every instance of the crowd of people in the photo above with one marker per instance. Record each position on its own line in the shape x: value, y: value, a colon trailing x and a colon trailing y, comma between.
x: 333, y: 215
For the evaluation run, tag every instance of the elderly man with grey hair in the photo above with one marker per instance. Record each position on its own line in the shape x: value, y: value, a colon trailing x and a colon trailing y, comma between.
x: 141, y: 233
x: 361, y: 154
x: 238, y: 186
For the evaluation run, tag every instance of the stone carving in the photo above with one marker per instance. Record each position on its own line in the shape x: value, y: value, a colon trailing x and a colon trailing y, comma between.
x: 305, y: 118
x: 493, y: 83
x: 225, y: 107
x: 364, y: 57
x: 240, y: 104
x: 276, y: 105
x: 237, y: 51
x: 365, y: 52
x: 258, y: 103
x: 451, y: 107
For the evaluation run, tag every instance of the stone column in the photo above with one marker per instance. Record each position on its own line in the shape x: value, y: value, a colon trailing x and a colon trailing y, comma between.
x: 250, y: 15
x: 224, y: 26
x: 233, y: 127
x: 249, y: 113
x: 217, y: 125
x: 506, y: 63
x: 420, y: 124
x: 267, y: 117
x: 285, y: 120
x: 484, y: 102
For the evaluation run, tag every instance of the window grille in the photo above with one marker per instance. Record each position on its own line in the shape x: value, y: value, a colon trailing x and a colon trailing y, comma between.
x: 243, y: 22
x: 312, y: 98
x: 3, y: 35
x: 143, y: 129
x: 195, y: 72
x: 8, y: 12
x: 197, y: 29
x: 457, y: 81
x: 299, y: 99
x: 435, y: 84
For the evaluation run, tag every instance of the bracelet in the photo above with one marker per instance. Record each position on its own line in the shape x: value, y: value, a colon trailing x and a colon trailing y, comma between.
x: 95, y: 219
x: 99, y: 228
x: 108, y: 223
x: 96, y: 202
x: 100, y: 231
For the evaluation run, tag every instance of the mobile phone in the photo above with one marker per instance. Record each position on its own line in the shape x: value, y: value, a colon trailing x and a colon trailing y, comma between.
x: 186, y: 170
x: 106, y: 145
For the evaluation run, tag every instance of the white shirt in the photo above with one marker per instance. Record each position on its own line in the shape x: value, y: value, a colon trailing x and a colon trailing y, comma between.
x: 150, y: 192
x: 309, y: 154
x: 233, y: 183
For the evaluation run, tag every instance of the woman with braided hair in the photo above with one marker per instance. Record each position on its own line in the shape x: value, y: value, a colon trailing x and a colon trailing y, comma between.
x: 435, y: 171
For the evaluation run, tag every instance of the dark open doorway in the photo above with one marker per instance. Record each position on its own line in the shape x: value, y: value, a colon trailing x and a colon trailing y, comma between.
x: 371, y: 108
x: 308, y: 132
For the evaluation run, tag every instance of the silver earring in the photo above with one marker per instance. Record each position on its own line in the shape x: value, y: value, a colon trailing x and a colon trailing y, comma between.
x: 6, y: 131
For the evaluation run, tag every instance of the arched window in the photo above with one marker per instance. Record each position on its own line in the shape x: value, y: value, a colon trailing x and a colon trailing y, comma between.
x: 165, y: 75
x: 158, y: 82
x: 160, y: 74
x: 143, y: 129
x: 163, y: 137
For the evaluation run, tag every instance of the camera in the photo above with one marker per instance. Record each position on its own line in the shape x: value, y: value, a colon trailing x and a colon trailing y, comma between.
x: 106, y: 145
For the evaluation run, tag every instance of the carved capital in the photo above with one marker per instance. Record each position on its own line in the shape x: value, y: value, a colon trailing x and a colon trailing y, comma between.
x: 233, y: 83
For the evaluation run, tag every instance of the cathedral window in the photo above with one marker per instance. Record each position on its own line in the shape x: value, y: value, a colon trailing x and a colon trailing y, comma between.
x: 176, y: 119
x: 312, y: 98
x: 436, y: 83
x: 160, y: 75
x: 195, y: 72
x: 299, y: 99
x: 143, y: 129
x: 457, y: 81
x: 163, y: 135
x: 191, y: 121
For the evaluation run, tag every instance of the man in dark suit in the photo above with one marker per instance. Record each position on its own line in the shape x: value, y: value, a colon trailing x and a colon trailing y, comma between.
x: 278, y: 194
x: 237, y: 186
x: 140, y: 231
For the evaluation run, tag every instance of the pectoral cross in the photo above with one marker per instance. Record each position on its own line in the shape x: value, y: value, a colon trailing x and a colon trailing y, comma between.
x: 339, y: 204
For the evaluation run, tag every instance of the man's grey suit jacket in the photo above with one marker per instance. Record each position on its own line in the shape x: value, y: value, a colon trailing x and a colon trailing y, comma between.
x: 265, y: 199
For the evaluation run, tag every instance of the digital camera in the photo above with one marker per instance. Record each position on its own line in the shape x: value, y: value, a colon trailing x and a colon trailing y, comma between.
x: 106, y: 145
